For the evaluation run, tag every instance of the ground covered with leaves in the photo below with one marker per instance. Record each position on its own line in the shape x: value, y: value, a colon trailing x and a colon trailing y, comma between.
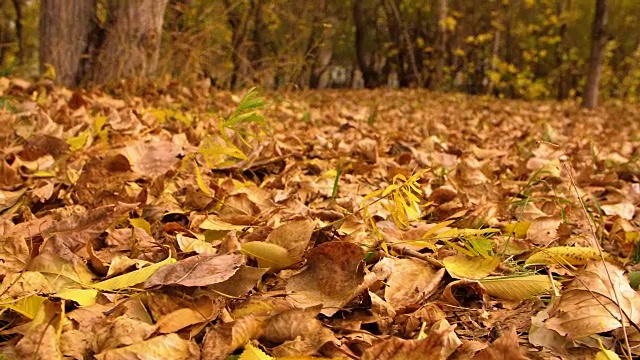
x: 188, y: 223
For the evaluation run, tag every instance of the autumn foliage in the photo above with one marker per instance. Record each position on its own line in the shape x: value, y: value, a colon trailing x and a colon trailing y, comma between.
x: 186, y: 223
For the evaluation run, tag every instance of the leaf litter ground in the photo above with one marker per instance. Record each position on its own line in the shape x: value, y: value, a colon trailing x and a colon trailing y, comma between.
x: 187, y: 223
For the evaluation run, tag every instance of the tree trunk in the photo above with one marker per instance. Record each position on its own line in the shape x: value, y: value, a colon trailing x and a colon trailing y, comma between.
x: 132, y: 41
x: 239, y: 24
x: 596, y: 61
x: 408, y: 42
x: 65, y: 27
x: 360, y: 17
x: 17, y: 6
x: 319, y: 45
x: 441, y: 44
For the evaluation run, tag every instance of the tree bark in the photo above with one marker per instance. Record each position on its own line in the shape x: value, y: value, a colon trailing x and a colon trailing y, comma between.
x: 65, y: 27
x: 441, y: 44
x: 408, y: 42
x: 17, y: 6
x: 360, y: 16
x: 319, y: 45
x: 239, y: 23
x: 596, y: 60
x: 132, y: 41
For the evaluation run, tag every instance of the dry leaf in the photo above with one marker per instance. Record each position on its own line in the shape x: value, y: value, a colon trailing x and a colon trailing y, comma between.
x: 580, y: 311
x: 504, y: 348
x: 436, y: 346
x: 331, y: 277
x: 198, y: 270
x: 477, y: 267
x: 160, y: 347
x: 410, y: 281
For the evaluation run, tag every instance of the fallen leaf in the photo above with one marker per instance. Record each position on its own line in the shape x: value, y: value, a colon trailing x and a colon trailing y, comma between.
x: 504, y: 348
x: 198, y: 270
x: 477, y: 267
x: 410, y: 281
x: 586, y: 306
x: 271, y: 256
x: 160, y: 347
x: 297, y: 332
x: 436, y: 346
x: 517, y: 288
x: 331, y: 277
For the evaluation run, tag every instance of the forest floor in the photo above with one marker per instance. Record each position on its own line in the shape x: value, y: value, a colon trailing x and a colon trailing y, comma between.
x: 187, y: 223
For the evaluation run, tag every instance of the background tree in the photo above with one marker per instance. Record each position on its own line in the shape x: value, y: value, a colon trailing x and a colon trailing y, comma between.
x: 596, y: 61
x: 80, y: 48
x: 528, y: 49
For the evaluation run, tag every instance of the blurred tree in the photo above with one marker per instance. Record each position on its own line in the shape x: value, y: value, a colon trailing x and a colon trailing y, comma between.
x: 596, y: 61
x: 65, y: 29
x: 81, y: 48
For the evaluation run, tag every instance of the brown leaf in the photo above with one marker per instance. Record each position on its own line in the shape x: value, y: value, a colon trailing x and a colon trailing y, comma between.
x: 504, y: 348
x: 410, y: 281
x: 122, y: 331
x: 298, y: 332
x: 39, y: 343
x: 293, y: 236
x: 331, y: 278
x: 160, y: 347
x: 437, y: 346
x: 544, y: 230
x: 580, y: 311
x: 152, y: 158
x: 241, y: 282
x: 224, y: 338
x: 199, y: 270
x: 14, y: 254
x: 72, y: 234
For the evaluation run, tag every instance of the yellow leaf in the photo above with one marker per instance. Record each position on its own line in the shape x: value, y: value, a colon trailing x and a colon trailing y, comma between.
x: 211, y: 223
x: 253, y: 353
x: 84, y: 297
x: 269, y: 255
x: 77, y: 142
x: 605, y: 354
x: 565, y: 255
x: 28, y: 306
x: 200, y: 181
x: 141, y: 223
x: 517, y: 288
x: 465, y: 267
x: 133, y: 278
x: 518, y: 229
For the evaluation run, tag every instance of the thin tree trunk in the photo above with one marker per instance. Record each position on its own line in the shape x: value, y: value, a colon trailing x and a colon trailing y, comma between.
x: 359, y: 18
x: 239, y: 24
x: 319, y: 46
x: 596, y: 61
x: 17, y: 5
x: 132, y: 42
x: 493, y: 64
x: 441, y: 44
x: 409, y: 44
x: 65, y: 27
x: 563, y: 92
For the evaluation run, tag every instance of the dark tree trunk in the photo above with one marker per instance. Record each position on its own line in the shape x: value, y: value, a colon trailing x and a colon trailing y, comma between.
x: 65, y: 27
x: 17, y: 5
x: 360, y: 17
x: 132, y: 41
x: 596, y: 60
x: 441, y: 44
x: 239, y: 24
x: 319, y: 46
